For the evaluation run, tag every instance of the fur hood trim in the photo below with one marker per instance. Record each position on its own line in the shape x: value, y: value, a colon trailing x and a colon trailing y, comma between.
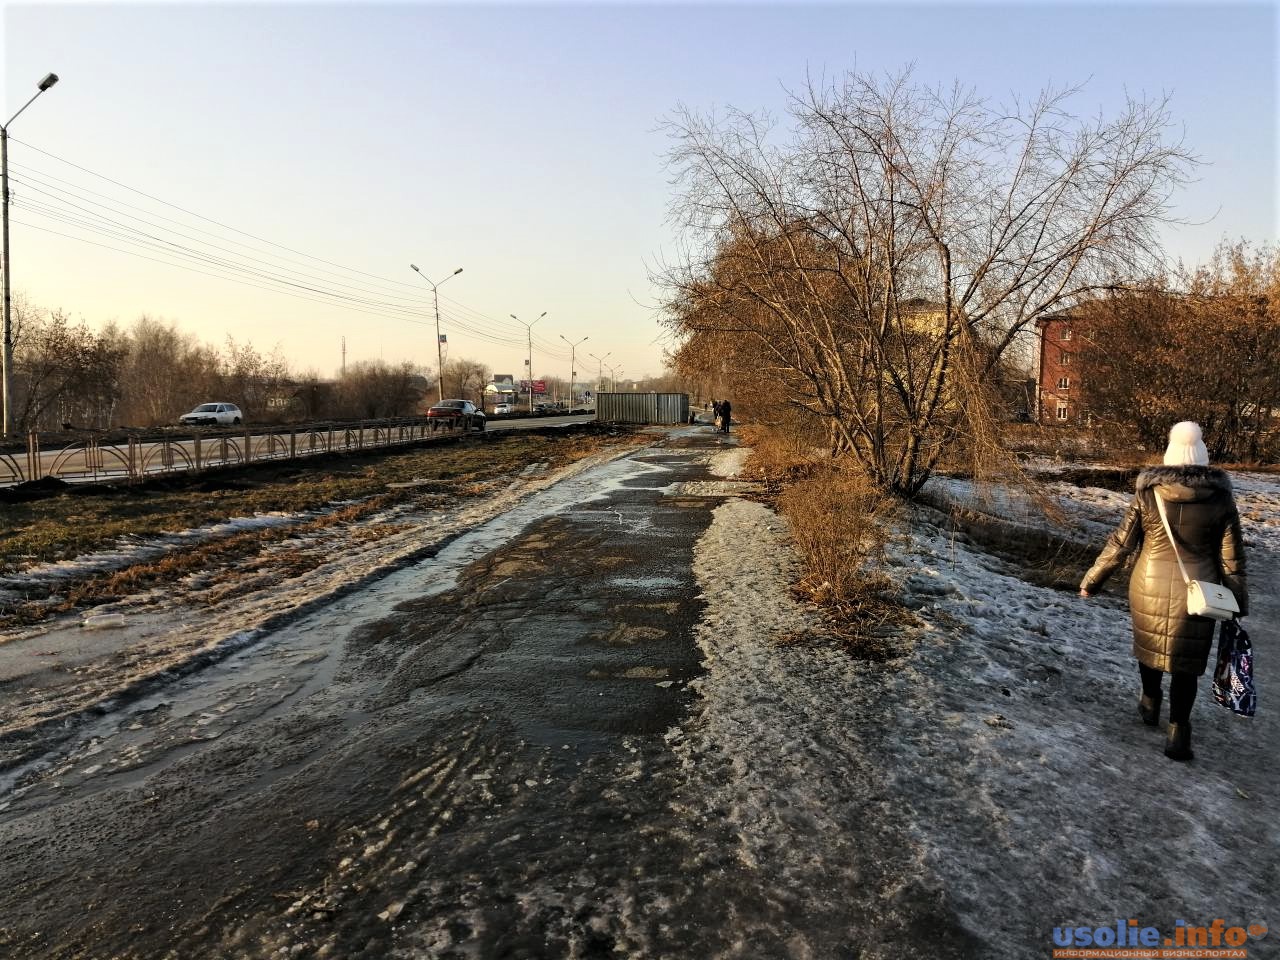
x: 1196, y: 477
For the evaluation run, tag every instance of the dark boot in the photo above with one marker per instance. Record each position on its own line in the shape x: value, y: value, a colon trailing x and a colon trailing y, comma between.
x: 1149, y: 710
x: 1178, y: 745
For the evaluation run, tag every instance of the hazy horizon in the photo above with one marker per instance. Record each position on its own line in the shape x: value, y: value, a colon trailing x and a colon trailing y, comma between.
x: 332, y: 146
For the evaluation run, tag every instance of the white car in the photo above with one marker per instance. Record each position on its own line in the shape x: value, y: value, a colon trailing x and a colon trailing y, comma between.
x: 213, y: 414
x: 503, y: 408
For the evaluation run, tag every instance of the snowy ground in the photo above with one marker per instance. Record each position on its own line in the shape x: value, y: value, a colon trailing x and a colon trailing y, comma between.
x: 998, y: 770
x: 991, y: 783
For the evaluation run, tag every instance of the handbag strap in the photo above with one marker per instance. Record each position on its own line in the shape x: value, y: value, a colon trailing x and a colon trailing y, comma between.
x: 1172, y: 542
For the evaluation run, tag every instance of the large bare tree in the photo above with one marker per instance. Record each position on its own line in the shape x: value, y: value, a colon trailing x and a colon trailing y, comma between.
x: 880, y: 257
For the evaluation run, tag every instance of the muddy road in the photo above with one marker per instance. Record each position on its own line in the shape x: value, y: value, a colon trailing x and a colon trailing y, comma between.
x: 452, y: 761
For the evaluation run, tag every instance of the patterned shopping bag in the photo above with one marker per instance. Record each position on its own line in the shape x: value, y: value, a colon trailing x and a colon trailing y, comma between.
x: 1233, y: 678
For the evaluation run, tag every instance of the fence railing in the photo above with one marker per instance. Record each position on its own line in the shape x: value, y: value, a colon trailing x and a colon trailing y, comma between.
x: 139, y: 455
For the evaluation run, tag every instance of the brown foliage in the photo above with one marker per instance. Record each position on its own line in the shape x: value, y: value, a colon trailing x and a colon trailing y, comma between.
x: 837, y: 520
x: 1197, y: 344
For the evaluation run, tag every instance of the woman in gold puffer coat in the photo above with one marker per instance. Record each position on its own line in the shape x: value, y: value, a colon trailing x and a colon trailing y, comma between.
x: 1166, y: 639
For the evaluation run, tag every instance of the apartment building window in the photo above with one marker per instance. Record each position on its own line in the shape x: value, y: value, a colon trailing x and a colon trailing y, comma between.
x: 1062, y: 409
x: 1066, y: 334
x: 1066, y: 359
x: 1064, y: 383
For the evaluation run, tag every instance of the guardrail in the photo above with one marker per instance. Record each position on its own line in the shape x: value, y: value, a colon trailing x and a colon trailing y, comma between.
x: 140, y: 455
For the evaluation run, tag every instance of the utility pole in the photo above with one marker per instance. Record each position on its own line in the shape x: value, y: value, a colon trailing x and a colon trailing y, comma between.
x: 344, y: 358
x: 439, y: 341
x: 529, y: 362
x: 573, y: 371
x: 7, y: 355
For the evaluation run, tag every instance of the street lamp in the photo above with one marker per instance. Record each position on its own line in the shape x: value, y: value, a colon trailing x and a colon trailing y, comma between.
x: 573, y: 370
x: 439, y: 347
x: 529, y: 330
x: 599, y: 368
x: 49, y: 80
x: 613, y: 377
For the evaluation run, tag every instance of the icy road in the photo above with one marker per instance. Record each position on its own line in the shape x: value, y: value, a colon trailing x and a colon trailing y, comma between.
x: 565, y: 728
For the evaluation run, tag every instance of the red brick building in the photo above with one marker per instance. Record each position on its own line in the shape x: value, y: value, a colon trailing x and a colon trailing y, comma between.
x: 1058, y: 395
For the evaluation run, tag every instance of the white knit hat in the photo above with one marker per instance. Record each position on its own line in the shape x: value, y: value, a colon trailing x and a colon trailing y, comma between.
x: 1186, y: 446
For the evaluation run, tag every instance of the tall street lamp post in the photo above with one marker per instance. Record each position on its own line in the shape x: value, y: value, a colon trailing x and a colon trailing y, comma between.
x: 439, y: 343
x: 573, y: 368
x: 49, y: 80
x: 599, y: 368
x: 529, y: 361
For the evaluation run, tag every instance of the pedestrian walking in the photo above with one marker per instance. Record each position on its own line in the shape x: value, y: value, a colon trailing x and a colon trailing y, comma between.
x: 715, y: 414
x: 1201, y: 514
x: 726, y: 414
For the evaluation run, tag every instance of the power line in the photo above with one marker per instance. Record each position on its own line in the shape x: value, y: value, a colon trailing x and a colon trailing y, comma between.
x: 244, y: 269
x: 41, y: 177
x: 219, y: 223
x: 181, y: 266
x: 116, y: 223
x: 130, y: 235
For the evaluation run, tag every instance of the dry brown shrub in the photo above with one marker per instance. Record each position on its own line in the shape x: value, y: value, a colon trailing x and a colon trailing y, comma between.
x: 775, y: 454
x: 838, y: 521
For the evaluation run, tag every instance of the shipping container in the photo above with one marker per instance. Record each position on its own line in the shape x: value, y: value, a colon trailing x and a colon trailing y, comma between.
x: 650, y: 408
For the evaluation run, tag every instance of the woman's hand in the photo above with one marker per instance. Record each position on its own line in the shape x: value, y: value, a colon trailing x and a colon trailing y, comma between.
x: 1084, y: 593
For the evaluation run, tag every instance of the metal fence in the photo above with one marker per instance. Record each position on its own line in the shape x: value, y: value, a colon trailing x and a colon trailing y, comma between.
x: 138, y: 456
x: 656, y: 408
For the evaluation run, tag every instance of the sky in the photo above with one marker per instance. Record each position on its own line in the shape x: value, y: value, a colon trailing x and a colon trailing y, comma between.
x: 331, y: 145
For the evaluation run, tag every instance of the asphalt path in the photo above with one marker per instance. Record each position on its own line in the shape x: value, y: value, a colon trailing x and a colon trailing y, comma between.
x: 466, y: 760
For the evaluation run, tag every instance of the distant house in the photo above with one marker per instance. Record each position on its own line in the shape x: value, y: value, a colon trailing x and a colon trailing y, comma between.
x: 1059, y: 399
x: 923, y: 316
x: 502, y: 389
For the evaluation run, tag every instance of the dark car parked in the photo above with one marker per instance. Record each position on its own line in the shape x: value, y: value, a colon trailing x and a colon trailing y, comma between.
x: 462, y: 413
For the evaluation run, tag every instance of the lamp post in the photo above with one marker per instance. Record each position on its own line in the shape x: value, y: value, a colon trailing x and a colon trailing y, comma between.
x: 599, y: 368
x: 573, y: 370
x: 529, y: 330
x: 613, y: 377
x: 49, y: 80
x: 439, y: 348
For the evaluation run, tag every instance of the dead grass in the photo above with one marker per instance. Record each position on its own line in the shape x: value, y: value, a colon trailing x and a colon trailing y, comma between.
x: 838, y: 522
x: 336, y: 494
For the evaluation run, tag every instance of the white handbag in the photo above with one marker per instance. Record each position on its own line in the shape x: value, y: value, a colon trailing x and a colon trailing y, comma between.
x: 1204, y: 599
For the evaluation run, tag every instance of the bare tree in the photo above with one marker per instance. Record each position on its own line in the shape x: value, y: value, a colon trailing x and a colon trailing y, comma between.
x: 374, y: 389
x: 465, y: 379
x: 65, y: 372
x: 165, y: 373
x: 880, y: 261
x: 251, y: 379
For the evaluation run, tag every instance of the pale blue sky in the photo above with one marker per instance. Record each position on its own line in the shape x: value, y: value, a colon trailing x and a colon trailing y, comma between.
x: 520, y: 143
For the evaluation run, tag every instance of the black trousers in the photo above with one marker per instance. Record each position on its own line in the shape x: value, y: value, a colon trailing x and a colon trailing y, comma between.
x: 1182, y: 691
